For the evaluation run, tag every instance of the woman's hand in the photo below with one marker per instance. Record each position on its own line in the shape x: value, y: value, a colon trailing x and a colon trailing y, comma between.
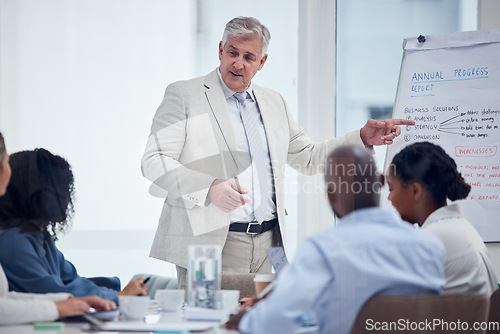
x: 79, y: 305
x: 134, y: 288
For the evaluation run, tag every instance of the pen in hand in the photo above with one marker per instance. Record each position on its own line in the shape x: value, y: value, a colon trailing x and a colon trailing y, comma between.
x: 144, y: 283
x: 234, y: 319
x: 248, y: 302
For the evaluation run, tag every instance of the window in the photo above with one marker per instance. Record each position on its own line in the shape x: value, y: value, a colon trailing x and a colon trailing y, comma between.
x: 83, y: 79
x: 369, y: 50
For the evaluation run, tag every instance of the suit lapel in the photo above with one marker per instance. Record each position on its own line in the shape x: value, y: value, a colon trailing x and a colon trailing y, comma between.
x: 218, y: 106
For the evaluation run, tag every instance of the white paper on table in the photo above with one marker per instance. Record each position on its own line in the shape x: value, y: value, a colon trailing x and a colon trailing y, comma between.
x: 160, y: 326
x: 205, y: 314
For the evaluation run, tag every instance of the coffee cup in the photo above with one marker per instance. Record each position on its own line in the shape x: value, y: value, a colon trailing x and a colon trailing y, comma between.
x: 133, y: 307
x: 170, y: 299
x: 262, y: 280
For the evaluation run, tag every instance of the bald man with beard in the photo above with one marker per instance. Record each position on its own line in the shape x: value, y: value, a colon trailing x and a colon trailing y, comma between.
x: 369, y: 251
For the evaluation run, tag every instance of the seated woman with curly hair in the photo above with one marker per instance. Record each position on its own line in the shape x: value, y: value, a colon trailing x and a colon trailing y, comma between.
x: 18, y: 308
x: 37, y: 207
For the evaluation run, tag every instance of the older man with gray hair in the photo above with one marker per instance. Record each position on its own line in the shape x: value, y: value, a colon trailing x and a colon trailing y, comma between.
x: 218, y: 148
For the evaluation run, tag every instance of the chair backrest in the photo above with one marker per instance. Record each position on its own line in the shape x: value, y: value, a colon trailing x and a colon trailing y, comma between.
x: 448, y: 313
x: 494, y: 314
x: 242, y: 282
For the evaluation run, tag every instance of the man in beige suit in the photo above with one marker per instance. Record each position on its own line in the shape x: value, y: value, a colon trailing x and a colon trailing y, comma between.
x: 218, y: 148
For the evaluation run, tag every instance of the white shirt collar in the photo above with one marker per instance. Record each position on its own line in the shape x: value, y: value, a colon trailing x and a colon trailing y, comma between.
x: 228, y: 92
x: 451, y: 211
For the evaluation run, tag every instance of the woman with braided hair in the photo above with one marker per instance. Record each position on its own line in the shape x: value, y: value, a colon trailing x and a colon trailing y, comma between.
x: 422, y: 178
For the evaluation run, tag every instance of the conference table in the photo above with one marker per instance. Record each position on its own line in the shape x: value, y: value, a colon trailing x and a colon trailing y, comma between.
x: 77, y: 327
x: 176, y: 318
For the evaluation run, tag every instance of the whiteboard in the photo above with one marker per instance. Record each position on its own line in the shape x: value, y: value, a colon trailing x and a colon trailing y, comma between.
x: 450, y: 86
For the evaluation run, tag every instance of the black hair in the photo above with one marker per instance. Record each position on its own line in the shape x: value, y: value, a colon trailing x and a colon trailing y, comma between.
x: 40, y: 193
x: 429, y: 165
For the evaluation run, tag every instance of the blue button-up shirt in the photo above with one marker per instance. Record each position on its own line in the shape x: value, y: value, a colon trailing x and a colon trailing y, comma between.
x: 369, y: 252
x: 34, y: 264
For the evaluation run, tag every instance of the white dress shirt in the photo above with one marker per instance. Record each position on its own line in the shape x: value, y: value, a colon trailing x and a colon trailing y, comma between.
x: 467, y: 266
x: 247, y: 177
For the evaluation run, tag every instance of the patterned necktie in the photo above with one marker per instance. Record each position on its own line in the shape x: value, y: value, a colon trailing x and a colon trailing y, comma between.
x: 259, y: 153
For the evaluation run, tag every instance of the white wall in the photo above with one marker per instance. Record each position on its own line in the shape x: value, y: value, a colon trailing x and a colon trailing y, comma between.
x: 316, y: 104
x: 488, y: 14
x: 83, y: 79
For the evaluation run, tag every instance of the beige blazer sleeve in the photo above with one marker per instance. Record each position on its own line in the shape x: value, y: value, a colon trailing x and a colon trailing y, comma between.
x: 166, y: 161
